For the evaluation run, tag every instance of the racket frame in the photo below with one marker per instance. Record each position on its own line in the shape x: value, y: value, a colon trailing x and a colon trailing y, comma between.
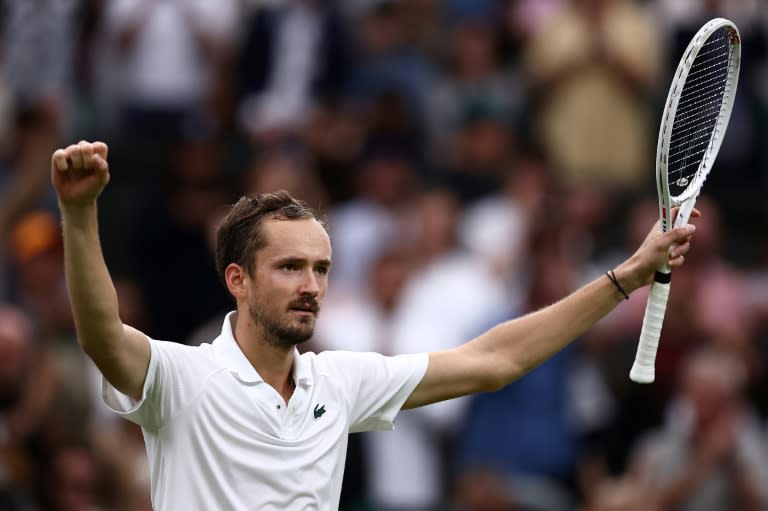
x: 643, y: 369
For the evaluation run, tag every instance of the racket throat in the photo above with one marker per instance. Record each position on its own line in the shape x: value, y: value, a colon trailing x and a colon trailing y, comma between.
x: 684, y: 213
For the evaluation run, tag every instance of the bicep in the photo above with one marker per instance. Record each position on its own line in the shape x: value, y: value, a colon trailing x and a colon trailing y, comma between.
x: 125, y: 364
x: 453, y: 373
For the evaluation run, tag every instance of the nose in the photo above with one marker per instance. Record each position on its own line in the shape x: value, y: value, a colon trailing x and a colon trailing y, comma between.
x: 309, y: 284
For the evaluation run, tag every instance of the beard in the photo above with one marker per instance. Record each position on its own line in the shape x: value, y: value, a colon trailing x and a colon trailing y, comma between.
x: 284, y: 332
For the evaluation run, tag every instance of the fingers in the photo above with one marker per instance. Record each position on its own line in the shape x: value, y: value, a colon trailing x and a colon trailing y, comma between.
x: 101, y: 149
x: 98, y: 163
x: 678, y: 242
x: 75, y: 155
x: 680, y: 250
x: 679, y: 234
x: 81, y: 157
x: 695, y: 213
x: 676, y: 262
x: 86, y: 152
x: 59, y: 160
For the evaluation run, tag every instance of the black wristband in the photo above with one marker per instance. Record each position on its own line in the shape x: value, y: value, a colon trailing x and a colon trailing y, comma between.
x: 612, y: 277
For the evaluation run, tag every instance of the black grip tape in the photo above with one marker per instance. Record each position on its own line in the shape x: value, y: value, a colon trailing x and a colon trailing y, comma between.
x: 663, y: 278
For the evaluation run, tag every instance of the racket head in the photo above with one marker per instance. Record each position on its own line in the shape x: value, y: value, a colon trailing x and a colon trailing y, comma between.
x: 696, y: 116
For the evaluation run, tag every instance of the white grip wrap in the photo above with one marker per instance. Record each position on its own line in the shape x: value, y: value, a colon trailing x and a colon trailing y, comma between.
x: 643, y: 369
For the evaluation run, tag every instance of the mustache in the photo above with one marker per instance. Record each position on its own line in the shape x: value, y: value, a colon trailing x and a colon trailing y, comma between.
x: 306, y: 303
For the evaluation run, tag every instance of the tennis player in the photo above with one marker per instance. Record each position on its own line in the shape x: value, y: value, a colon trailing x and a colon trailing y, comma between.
x: 246, y: 422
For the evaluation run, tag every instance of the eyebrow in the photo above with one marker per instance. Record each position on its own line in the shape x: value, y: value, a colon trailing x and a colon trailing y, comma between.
x: 302, y: 260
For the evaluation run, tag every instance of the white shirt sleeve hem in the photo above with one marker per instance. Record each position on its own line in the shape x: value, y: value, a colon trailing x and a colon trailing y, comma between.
x: 122, y: 404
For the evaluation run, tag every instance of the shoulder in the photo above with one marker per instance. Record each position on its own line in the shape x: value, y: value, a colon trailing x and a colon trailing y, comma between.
x: 335, y: 358
x: 343, y: 366
x: 366, y: 365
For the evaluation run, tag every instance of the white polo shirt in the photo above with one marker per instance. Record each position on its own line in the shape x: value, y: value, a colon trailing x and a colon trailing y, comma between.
x: 219, y: 438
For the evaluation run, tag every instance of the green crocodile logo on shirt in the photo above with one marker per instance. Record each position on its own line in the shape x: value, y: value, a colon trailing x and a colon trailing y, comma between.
x: 319, y: 411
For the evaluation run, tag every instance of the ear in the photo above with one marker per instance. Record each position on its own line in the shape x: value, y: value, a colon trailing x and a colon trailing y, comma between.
x: 235, y: 276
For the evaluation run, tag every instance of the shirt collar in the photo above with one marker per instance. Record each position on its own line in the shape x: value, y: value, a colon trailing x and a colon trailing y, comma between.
x: 229, y: 353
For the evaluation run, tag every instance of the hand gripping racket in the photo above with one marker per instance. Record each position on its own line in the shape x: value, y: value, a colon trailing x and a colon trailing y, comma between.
x: 692, y: 128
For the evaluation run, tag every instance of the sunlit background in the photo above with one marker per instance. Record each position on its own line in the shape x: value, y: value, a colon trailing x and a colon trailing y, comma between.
x: 476, y: 159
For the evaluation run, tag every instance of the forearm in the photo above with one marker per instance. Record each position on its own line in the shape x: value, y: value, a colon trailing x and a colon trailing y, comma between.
x: 91, y: 291
x: 521, y: 344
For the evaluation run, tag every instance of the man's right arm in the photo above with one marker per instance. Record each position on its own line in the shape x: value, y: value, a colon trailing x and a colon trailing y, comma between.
x: 121, y: 353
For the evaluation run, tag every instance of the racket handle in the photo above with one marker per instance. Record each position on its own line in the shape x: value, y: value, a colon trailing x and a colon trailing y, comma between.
x: 643, y: 370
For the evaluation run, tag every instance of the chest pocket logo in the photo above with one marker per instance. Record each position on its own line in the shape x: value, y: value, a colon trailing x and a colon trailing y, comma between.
x: 319, y: 411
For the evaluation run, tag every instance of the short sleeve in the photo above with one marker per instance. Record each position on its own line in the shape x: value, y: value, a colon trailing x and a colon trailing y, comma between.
x: 173, y: 379
x: 376, y: 387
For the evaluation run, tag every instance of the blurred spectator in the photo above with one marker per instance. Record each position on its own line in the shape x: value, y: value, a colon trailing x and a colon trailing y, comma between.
x: 473, y: 77
x: 593, y: 69
x: 393, y: 126
x: 24, y: 174
x: 334, y: 137
x: 37, y: 259
x: 285, y: 170
x: 170, y: 242
x: 480, y: 152
x: 710, y: 453
x: 388, y: 64
x: 60, y: 399
x: 723, y: 313
x: 17, y: 469
x: 529, y: 436
x: 76, y: 481
x: 449, y: 297
x: 523, y: 19
x: 294, y: 54
x: 362, y: 227
x: 37, y: 57
x: 127, y: 466
x: 498, y: 227
x: 620, y: 494
x: 163, y: 62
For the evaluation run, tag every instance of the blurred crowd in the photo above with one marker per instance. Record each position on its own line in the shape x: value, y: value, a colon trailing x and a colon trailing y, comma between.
x: 476, y: 160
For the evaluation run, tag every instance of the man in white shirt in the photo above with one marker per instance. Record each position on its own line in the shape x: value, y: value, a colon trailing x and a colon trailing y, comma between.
x: 248, y: 423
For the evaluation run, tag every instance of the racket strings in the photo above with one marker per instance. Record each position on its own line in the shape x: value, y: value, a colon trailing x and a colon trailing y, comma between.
x: 704, y: 91
x: 694, y: 118
x: 717, y: 55
x: 698, y: 111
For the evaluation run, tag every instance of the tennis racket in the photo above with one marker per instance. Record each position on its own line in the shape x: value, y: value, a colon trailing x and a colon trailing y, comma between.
x: 695, y: 118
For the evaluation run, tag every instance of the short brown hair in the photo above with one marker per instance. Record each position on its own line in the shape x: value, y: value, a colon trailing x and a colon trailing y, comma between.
x: 240, y: 234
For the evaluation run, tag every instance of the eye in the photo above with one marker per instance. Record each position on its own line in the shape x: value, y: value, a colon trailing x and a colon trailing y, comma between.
x: 322, y: 270
x: 290, y: 267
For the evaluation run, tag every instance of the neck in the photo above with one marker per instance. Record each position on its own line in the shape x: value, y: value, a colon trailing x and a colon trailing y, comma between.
x: 273, y: 363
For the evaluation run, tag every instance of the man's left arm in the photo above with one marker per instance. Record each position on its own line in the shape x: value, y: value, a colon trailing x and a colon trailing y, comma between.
x: 509, y: 350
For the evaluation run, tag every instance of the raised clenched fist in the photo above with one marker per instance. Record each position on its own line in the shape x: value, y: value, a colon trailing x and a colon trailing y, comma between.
x: 80, y: 172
